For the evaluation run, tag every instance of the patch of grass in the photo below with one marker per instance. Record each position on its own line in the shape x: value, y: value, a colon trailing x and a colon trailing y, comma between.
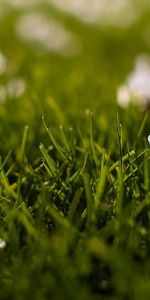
x: 74, y: 171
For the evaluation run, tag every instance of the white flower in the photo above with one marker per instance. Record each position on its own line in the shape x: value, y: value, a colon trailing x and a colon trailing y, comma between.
x: 123, y: 96
x: 16, y: 87
x: 137, y: 85
x: 47, y: 33
x: 2, y: 244
x: 117, y: 12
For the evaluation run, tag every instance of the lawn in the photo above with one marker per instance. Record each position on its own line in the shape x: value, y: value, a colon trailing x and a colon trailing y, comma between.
x: 74, y: 164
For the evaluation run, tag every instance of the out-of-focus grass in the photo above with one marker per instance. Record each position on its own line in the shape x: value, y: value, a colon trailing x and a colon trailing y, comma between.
x: 74, y: 211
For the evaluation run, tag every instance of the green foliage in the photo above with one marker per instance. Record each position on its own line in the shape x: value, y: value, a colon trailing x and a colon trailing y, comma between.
x: 75, y: 197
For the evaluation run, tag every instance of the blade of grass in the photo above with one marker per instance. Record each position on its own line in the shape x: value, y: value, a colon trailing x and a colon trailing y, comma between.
x: 50, y: 162
x: 92, y: 140
x: 56, y: 145
x: 100, y: 186
x: 74, y: 204
x: 89, y: 201
x: 119, y: 135
x: 142, y: 125
x: 64, y: 139
x: 23, y: 146
x: 124, y: 159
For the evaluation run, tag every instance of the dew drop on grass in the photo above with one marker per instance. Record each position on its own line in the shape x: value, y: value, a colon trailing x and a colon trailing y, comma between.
x: 148, y: 139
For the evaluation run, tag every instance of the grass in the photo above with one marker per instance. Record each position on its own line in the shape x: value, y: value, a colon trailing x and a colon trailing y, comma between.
x: 74, y: 171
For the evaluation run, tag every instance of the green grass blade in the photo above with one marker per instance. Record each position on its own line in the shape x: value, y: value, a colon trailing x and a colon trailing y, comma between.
x: 50, y: 162
x: 56, y: 145
x: 23, y: 146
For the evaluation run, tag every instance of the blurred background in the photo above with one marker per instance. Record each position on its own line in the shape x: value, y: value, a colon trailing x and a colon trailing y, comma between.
x: 64, y: 58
